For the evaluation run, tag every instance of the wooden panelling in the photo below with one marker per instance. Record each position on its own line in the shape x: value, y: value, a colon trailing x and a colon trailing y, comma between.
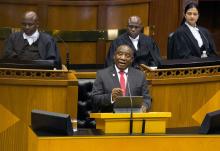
x: 11, y: 14
x: 183, y: 91
x: 159, y: 142
x: 164, y: 15
x: 15, y: 138
x: 80, y: 53
x: 72, y: 18
x: 77, y: 15
x: 183, y: 100
x: 117, y: 15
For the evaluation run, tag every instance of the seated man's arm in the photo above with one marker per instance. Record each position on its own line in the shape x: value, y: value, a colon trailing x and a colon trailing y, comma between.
x: 9, y: 53
x: 53, y: 52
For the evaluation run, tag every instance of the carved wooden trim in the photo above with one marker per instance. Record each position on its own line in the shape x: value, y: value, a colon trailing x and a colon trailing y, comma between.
x: 33, y: 74
x: 181, y: 72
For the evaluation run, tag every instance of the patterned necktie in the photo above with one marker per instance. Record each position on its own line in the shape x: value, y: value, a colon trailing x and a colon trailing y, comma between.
x: 122, y: 82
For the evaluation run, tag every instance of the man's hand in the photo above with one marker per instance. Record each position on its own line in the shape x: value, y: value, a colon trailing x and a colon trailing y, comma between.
x: 116, y: 92
x: 143, y: 108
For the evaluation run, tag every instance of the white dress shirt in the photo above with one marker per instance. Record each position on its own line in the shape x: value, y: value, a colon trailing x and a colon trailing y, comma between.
x: 118, y: 74
x: 31, y: 39
x: 135, y: 41
x: 196, y: 34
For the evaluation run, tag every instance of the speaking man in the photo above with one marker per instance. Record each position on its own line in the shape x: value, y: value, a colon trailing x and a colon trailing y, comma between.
x: 117, y: 79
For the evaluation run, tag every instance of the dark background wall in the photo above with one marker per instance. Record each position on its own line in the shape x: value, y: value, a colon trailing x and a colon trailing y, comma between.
x: 163, y: 16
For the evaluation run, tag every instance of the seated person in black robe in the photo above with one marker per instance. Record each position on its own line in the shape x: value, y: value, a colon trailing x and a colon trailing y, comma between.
x: 144, y: 48
x: 192, y: 41
x: 30, y: 44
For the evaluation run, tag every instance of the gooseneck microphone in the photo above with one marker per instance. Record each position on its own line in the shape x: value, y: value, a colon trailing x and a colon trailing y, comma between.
x: 131, y: 107
x: 57, y: 35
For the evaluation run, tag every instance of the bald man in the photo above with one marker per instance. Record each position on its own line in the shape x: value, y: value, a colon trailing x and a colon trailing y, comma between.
x: 107, y: 85
x: 144, y: 48
x: 30, y: 44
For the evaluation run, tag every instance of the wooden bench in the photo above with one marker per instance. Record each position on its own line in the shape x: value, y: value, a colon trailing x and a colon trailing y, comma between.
x: 81, y: 49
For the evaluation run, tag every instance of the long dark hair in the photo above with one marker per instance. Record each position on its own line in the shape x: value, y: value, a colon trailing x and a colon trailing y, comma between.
x: 187, y: 7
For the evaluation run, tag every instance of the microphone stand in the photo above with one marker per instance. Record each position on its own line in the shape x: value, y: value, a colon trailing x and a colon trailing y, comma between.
x: 131, y: 120
x: 131, y: 112
x: 67, y: 50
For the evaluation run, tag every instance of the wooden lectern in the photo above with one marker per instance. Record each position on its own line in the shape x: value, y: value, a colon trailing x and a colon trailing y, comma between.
x: 154, y: 122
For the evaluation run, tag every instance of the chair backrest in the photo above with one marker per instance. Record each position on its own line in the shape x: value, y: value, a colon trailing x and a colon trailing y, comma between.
x: 4, y: 32
x: 170, y: 44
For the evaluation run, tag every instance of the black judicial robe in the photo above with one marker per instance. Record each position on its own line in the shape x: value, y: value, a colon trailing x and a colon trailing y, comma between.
x: 15, y: 44
x: 148, y: 52
x: 185, y: 46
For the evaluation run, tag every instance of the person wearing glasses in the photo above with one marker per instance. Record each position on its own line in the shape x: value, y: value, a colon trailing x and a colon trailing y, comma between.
x: 30, y: 43
x: 144, y: 48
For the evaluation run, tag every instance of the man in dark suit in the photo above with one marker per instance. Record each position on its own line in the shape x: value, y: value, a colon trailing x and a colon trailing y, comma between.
x: 30, y: 44
x: 144, y: 48
x: 107, y: 86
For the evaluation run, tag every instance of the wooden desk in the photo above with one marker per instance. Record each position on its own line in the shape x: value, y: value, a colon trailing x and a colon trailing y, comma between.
x: 23, y: 90
x: 183, y: 91
x: 126, y: 143
x: 15, y: 135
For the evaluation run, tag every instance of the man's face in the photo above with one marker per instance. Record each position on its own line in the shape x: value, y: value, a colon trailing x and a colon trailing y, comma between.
x: 134, y: 27
x: 29, y: 25
x: 123, y: 57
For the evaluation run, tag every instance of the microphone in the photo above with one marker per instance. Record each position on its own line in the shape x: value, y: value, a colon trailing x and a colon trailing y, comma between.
x: 56, y: 33
x: 131, y: 101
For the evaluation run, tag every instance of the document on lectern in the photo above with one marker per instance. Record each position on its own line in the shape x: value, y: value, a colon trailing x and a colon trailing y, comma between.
x: 124, y: 104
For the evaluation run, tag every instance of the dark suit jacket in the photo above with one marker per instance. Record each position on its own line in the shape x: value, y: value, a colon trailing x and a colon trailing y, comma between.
x: 186, y: 46
x: 107, y: 79
x: 148, y: 53
x: 46, y: 46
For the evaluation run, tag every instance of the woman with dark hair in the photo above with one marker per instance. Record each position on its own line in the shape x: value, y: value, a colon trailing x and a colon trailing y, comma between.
x: 191, y: 40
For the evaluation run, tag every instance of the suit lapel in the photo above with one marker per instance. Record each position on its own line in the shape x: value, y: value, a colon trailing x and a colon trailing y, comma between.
x: 144, y: 46
x: 41, y: 47
x: 204, y: 39
x: 129, y: 42
x: 192, y: 38
x: 114, y: 77
x: 20, y: 43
